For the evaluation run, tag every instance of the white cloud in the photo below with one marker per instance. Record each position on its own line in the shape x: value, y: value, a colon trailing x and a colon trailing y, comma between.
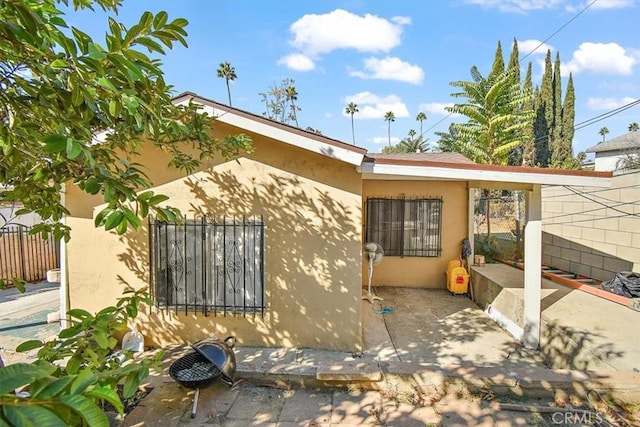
x: 600, y: 58
x: 390, y: 68
x: 317, y: 34
x: 402, y: 20
x: 612, y: 4
x: 385, y: 140
x: 437, y: 108
x: 527, y: 46
x: 520, y: 6
x: 372, y: 106
x: 297, y: 62
x: 608, y: 104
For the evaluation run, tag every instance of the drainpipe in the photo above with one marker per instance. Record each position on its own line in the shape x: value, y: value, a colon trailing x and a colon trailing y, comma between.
x: 470, y: 220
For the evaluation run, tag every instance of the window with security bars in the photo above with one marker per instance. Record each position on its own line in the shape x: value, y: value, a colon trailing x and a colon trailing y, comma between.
x: 405, y: 227
x: 215, y: 267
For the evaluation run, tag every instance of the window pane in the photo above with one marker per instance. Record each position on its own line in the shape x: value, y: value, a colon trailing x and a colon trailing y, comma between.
x: 422, y: 227
x: 384, y: 224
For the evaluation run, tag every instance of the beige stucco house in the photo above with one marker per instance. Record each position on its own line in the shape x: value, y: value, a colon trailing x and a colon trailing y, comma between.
x: 272, y: 248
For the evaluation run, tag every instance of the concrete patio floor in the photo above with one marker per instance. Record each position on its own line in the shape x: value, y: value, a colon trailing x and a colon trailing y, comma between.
x: 433, y: 326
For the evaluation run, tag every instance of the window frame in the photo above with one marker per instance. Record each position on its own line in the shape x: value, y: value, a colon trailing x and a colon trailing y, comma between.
x: 398, y: 223
x: 188, y: 253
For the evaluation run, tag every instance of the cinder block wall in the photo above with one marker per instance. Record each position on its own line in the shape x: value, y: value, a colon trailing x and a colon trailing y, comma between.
x: 593, y: 231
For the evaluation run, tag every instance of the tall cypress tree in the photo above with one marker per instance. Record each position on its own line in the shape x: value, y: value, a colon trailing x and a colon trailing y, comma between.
x: 540, y: 131
x: 514, y: 64
x: 528, y: 145
x: 558, y: 152
x: 568, y: 122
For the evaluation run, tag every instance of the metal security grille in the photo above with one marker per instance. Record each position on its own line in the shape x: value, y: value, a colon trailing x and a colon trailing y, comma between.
x: 405, y: 227
x: 209, y: 266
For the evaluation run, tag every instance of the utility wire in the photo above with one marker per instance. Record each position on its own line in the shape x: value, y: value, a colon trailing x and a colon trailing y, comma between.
x: 578, y: 193
x: 559, y: 29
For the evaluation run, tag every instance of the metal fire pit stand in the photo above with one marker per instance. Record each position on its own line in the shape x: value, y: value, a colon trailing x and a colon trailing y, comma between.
x: 194, y: 371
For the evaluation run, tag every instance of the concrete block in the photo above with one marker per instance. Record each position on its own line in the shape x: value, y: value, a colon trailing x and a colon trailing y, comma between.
x: 546, y: 259
x: 572, y: 231
x: 628, y: 253
x: 617, y: 238
x: 592, y: 260
x: 595, y: 234
x: 552, y: 207
x: 547, y: 239
x: 607, y: 249
x: 570, y: 255
x: 349, y: 371
x: 562, y: 264
x: 608, y: 223
x: 629, y: 224
x: 617, y: 264
x: 600, y: 274
x: 553, y: 251
x: 635, y: 240
x: 579, y: 268
x: 560, y: 241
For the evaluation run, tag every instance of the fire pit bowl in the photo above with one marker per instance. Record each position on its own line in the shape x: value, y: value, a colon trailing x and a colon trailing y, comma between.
x: 194, y: 371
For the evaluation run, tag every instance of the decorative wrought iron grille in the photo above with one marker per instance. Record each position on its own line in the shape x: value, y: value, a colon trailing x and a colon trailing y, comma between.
x: 405, y: 227
x: 209, y: 266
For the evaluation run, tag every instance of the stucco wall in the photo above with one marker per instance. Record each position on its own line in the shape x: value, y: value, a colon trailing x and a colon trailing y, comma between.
x: 312, y: 208
x: 591, y: 231
x: 416, y: 271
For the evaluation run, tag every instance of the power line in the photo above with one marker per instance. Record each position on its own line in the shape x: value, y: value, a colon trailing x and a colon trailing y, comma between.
x: 559, y: 29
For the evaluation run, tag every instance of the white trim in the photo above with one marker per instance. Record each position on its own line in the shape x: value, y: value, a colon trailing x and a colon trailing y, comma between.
x: 532, y: 267
x: 233, y: 119
x: 64, y: 282
x: 399, y: 171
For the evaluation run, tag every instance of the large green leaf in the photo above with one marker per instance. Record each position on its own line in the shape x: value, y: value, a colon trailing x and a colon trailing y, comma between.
x: 88, y: 410
x: 108, y: 394
x: 29, y: 345
x: 19, y: 374
x: 53, y: 388
x: 31, y: 416
x: 84, y: 379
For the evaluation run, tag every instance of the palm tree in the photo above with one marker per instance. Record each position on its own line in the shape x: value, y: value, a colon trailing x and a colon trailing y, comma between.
x: 496, y: 119
x: 389, y: 117
x: 227, y: 72
x: 603, y: 132
x: 420, y: 117
x: 411, y: 144
x: 351, y: 109
x: 292, y: 97
x: 633, y: 127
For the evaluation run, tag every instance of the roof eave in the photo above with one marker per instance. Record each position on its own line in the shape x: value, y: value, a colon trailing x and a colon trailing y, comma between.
x: 259, y: 125
x: 486, y: 174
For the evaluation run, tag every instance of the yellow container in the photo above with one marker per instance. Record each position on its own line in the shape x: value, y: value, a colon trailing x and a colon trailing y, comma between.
x: 457, y: 278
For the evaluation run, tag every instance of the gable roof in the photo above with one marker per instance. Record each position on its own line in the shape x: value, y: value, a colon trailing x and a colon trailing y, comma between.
x: 628, y: 141
x: 279, y: 131
x: 410, y: 166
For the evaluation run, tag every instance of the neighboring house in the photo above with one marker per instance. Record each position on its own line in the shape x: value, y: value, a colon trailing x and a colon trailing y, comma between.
x: 272, y: 248
x: 610, y: 153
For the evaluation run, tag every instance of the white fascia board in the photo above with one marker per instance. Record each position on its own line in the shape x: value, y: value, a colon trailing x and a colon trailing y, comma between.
x: 283, y: 135
x: 464, y: 174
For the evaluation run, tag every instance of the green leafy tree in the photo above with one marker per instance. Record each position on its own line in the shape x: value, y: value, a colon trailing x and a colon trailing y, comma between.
x: 565, y: 142
x: 633, y: 127
x: 495, y: 120
x: 228, y: 73
x: 421, y: 117
x: 389, y: 117
x: 603, y: 132
x: 280, y: 102
x: 351, y: 109
x: 449, y: 141
x: 292, y: 97
x: 61, y: 92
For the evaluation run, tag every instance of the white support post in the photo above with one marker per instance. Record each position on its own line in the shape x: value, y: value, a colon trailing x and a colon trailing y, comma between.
x: 64, y: 282
x: 532, y: 268
x: 470, y: 220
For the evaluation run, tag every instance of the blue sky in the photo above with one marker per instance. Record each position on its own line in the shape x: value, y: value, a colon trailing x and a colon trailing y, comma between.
x: 398, y: 56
